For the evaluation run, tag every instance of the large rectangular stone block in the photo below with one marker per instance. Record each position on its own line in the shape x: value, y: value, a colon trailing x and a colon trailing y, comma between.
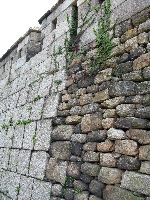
x: 38, y: 164
x: 136, y: 182
x: 23, y: 162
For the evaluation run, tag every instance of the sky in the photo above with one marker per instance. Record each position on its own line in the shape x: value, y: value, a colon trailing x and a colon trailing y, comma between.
x: 17, y: 16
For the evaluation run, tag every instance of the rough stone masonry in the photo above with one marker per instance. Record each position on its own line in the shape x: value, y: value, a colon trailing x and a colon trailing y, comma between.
x: 69, y: 135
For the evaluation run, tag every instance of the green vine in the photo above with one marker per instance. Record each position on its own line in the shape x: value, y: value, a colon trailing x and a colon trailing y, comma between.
x: 103, y: 40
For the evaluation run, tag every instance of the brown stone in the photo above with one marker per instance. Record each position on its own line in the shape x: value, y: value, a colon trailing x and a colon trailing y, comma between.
x: 101, y: 96
x: 85, y: 99
x: 91, y: 122
x: 105, y: 146
x: 73, y: 119
x: 129, y: 34
x: 108, y: 159
x: 139, y: 135
x: 104, y: 75
x: 142, y: 61
x: 110, y: 175
x: 131, y: 44
x: 144, y: 152
x: 127, y: 147
x: 90, y: 146
x: 108, y: 123
x: 109, y: 113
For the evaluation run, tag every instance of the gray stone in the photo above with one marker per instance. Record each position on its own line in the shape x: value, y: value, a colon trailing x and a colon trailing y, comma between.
x: 25, y: 190
x: 146, y: 73
x: 145, y: 167
x: 90, y: 108
x: 122, y: 68
x: 38, y: 164
x: 61, y: 150
x: 79, y: 186
x: 91, y: 157
x: 69, y: 194
x: 128, y: 163
x: 90, y: 169
x: 13, y: 161
x: 56, y: 171
x: 96, y: 188
x: 144, y: 26
x: 125, y: 110
x: 116, y: 134
x: 143, y: 112
x: 43, y: 135
x: 136, y: 182
x: 23, y: 162
x: 76, y: 148
x: 117, y: 193
x: 57, y: 190
x: 18, y: 136
x: 80, y: 138
x: 29, y: 135
x: 82, y: 196
x: 41, y: 190
x: 90, y: 146
x: 97, y: 136
x: 122, y: 88
x: 112, y: 103
x: 62, y: 132
x: 110, y: 175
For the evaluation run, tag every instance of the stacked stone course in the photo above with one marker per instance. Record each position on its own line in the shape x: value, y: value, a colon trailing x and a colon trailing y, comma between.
x: 66, y: 134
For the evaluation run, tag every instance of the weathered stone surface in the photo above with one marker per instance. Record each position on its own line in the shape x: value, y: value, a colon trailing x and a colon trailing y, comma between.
x: 143, y: 112
x: 128, y: 163
x: 117, y: 193
x: 145, y: 167
x: 90, y: 146
x: 90, y: 108
x: 86, y: 99
x: 38, y: 164
x: 108, y: 123
x: 73, y: 170
x: 73, y: 119
x: 91, y: 157
x: 97, y: 136
x: 112, y: 103
x: 131, y: 44
x: 142, y: 61
x: 96, y: 188
x: 127, y: 147
x: 144, y: 152
x: 90, y: 169
x: 139, y: 135
x: 122, y: 68
x: 62, y: 132
x: 104, y: 75
x: 69, y: 194
x: 135, y: 53
x: 136, y: 182
x: 101, y: 96
x: 23, y: 162
x: 110, y: 175
x: 146, y: 73
x: 122, y: 88
x: 76, y: 148
x: 133, y: 76
x: 105, y: 146
x: 143, y: 38
x: 131, y: 122
x: 125, y: 110
x: 82, y: 196
x: 80, y: 186
x: 81, y: 138
x: 91, y: 122
x: 109, y: 113
x: 61, y: 150
x: 56, y: 171
x: 116, y: 134
x: 57, y: 190
x: 129, y: 34
x: 144, y: 26
x: 144, y: 87
x: 92, y: 197
x: 108, y: 159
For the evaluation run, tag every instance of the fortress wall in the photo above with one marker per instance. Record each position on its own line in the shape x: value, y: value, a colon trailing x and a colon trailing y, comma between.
x: 67, y: 134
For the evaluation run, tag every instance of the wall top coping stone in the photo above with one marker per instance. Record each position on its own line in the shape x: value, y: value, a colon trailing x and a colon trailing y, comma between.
x: 50, y: 11
x: 31, y: 30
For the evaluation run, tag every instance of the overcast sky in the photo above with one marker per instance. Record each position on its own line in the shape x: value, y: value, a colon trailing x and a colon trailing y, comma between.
x: 17, y: 16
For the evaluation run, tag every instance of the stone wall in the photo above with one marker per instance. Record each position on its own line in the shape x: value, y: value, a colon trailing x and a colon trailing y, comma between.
x: 67, y: 134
